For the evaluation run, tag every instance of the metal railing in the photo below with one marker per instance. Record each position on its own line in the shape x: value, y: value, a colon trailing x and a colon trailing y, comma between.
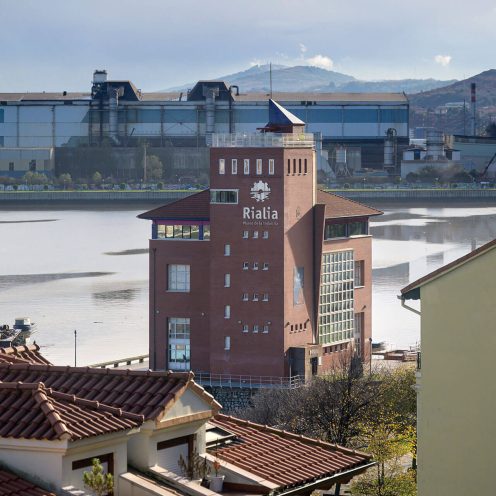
x: 248, y: 381
x: 120, y: 363
x: 263, y: 140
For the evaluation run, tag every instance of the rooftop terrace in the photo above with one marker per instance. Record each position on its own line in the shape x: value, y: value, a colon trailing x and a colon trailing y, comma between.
x: 263, y: 140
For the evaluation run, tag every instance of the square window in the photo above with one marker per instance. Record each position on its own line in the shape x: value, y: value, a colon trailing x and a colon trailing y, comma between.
x: 255, y: 234
x: 245, y: 297
x: 246, y: 234
x: 259, y: 166
x: 265, y: 266
x: 222, y: 166
x: 246, y: 328
x: 234, y: 166
x: 246, y: 166
x: 255, y: 296
x: 255, y: 328
x: 246, y: 265
x: 265, y: 235
x: 255, y: 265
x: 271, y: 166
x: 178, y: 278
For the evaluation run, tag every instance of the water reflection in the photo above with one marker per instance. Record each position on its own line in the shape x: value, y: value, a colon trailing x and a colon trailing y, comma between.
x: 7, y: 282
x: 137, y: 251
x: 121, y: 295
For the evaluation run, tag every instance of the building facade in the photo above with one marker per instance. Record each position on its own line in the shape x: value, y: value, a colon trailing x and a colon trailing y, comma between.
x: 261, y: 275
x: 456, y: 390
x: 117, y: 114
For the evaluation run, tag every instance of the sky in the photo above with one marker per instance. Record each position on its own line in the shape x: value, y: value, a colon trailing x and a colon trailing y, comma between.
x: 55, y: 45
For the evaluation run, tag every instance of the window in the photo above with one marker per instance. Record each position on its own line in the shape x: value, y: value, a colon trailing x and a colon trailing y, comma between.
x: 227, y: 312
x: 306, y: 166
x: 224, y: 196
x: 255, y: 296
x: 245, y: 297
x: 227, y: 280
x: 246, y: 166
x: 271, y: 166
x: 227, y: 343
x: 336, y: 304
x: 246, y: 265
x: 265, y: 329
x: 179, y: 343
x: 299, y: 166
x: 222, y: 166
x: 178, y: 232
x: 11, y: 166
x: 246, y: 234
x: 234, y: 166
x: 178, y: 278
x: 227, y: 250
x: 265, y: 266
x: 289, y: 166
x: 265, y: 235
x: 255, y: 328
x: 335, y: 231
x: 32, y: 165
x: 259, y: 166
x: 357, y: 228
x: 266, y: 297
x: 359, y: 274
x: 255, y: 234
x: 294, y: 166
x: 206, y: 232
x: 246, y: 328
x: 255, y: 265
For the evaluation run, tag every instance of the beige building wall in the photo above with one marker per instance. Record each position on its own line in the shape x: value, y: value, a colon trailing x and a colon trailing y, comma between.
x: 457, y: 394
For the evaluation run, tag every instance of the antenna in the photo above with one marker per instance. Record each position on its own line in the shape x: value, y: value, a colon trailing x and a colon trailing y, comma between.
x: 270, y: 76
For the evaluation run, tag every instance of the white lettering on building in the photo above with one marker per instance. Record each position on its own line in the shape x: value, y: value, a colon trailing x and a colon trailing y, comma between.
x: 265, y: 213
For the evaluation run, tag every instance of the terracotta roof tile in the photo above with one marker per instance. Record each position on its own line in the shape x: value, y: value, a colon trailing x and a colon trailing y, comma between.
x: 31, y: 411
x: 338, y: 207
x: 144, y: 393
x: 195, y: 206
x: 13, y: 485
x: 281, y: 457
x: 23, y: 354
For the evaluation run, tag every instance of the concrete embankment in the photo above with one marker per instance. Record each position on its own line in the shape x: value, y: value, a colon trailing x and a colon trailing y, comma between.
x: 166, y: 196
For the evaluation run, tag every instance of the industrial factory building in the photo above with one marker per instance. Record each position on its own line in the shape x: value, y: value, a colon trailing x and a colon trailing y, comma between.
x: 116, y: 119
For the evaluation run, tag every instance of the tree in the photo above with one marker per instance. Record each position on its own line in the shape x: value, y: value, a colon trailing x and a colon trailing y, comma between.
x: 491, y: 130
x: 31, y: 177
x: 97, y: 481
x: 97, y: 178
x: 154, y: 168
x: 65, y: 180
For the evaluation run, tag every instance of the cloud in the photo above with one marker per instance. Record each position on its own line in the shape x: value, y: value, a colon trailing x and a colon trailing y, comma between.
x: 321, y: 61
x: 303, y: 48
x: 443, y: 60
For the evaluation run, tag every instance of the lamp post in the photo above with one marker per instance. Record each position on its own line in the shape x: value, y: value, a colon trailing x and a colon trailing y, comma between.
x: 75, y: 347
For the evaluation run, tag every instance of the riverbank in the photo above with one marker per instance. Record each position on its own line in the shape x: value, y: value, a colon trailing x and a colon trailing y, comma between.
x: 167, y: 196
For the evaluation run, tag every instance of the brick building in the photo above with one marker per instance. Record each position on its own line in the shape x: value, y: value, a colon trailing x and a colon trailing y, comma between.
x: 262, y: 274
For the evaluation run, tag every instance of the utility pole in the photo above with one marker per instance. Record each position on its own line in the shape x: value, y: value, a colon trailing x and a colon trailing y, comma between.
x: 144, y: 161
x: 75, y: 348
x: 270, y: 77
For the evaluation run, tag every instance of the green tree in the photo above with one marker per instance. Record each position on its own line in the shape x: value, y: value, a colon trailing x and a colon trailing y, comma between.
x: 97, y: 481
x: 65, y: 180
x: 154, y: 168
x: 97, y: 178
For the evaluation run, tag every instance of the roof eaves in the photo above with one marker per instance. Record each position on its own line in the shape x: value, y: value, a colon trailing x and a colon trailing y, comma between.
x: 408, y: 292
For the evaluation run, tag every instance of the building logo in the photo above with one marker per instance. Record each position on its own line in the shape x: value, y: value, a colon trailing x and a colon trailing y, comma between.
x: 260, y: 191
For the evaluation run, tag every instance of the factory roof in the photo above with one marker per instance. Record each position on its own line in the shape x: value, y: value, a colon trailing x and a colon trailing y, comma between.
x: 42, y: 95
x: 276, y: 455
x: 195, y: 206
x: 13, y: 485
x: 31, y: 411
x: 144, y: 393
x: 338, y: 207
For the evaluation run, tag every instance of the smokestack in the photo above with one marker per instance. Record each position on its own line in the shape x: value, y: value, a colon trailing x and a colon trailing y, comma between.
x: 472, y: 108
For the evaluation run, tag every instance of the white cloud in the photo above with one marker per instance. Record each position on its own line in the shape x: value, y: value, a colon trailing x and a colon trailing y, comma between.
x: 321, y: 61
x: 443, y: 60
x: 303, y: 48
x: 255, y: 62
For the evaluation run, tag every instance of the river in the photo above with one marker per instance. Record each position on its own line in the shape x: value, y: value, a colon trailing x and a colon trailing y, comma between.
x: 86, y: 269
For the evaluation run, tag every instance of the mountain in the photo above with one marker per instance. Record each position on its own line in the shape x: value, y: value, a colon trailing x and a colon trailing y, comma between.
x: 394, y: 85
x: 298, y: 78
x: 459, y: 91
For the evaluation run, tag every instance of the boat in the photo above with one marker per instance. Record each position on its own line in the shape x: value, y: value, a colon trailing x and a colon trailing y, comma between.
x: 19, y: 334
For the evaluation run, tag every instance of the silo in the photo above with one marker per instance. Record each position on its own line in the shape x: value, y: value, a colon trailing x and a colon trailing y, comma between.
x: 435, y: 145
x: 390, y: 149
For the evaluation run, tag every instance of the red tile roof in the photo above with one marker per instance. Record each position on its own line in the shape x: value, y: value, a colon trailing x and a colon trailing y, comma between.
x: 448, y: 267
x: 281, y: 457
x: 193, y: 207
x: 337, y: 207
x: 145, y: 393
x: 31, y: 411
x: 12, y: 485
x: 23, y: 354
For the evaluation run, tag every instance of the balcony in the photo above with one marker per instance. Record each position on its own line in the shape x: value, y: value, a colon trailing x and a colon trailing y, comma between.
x: 263, y: 140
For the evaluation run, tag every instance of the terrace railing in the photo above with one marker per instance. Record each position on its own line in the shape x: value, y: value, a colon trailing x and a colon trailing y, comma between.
x: 248, y: 381
x: 263, y: 140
